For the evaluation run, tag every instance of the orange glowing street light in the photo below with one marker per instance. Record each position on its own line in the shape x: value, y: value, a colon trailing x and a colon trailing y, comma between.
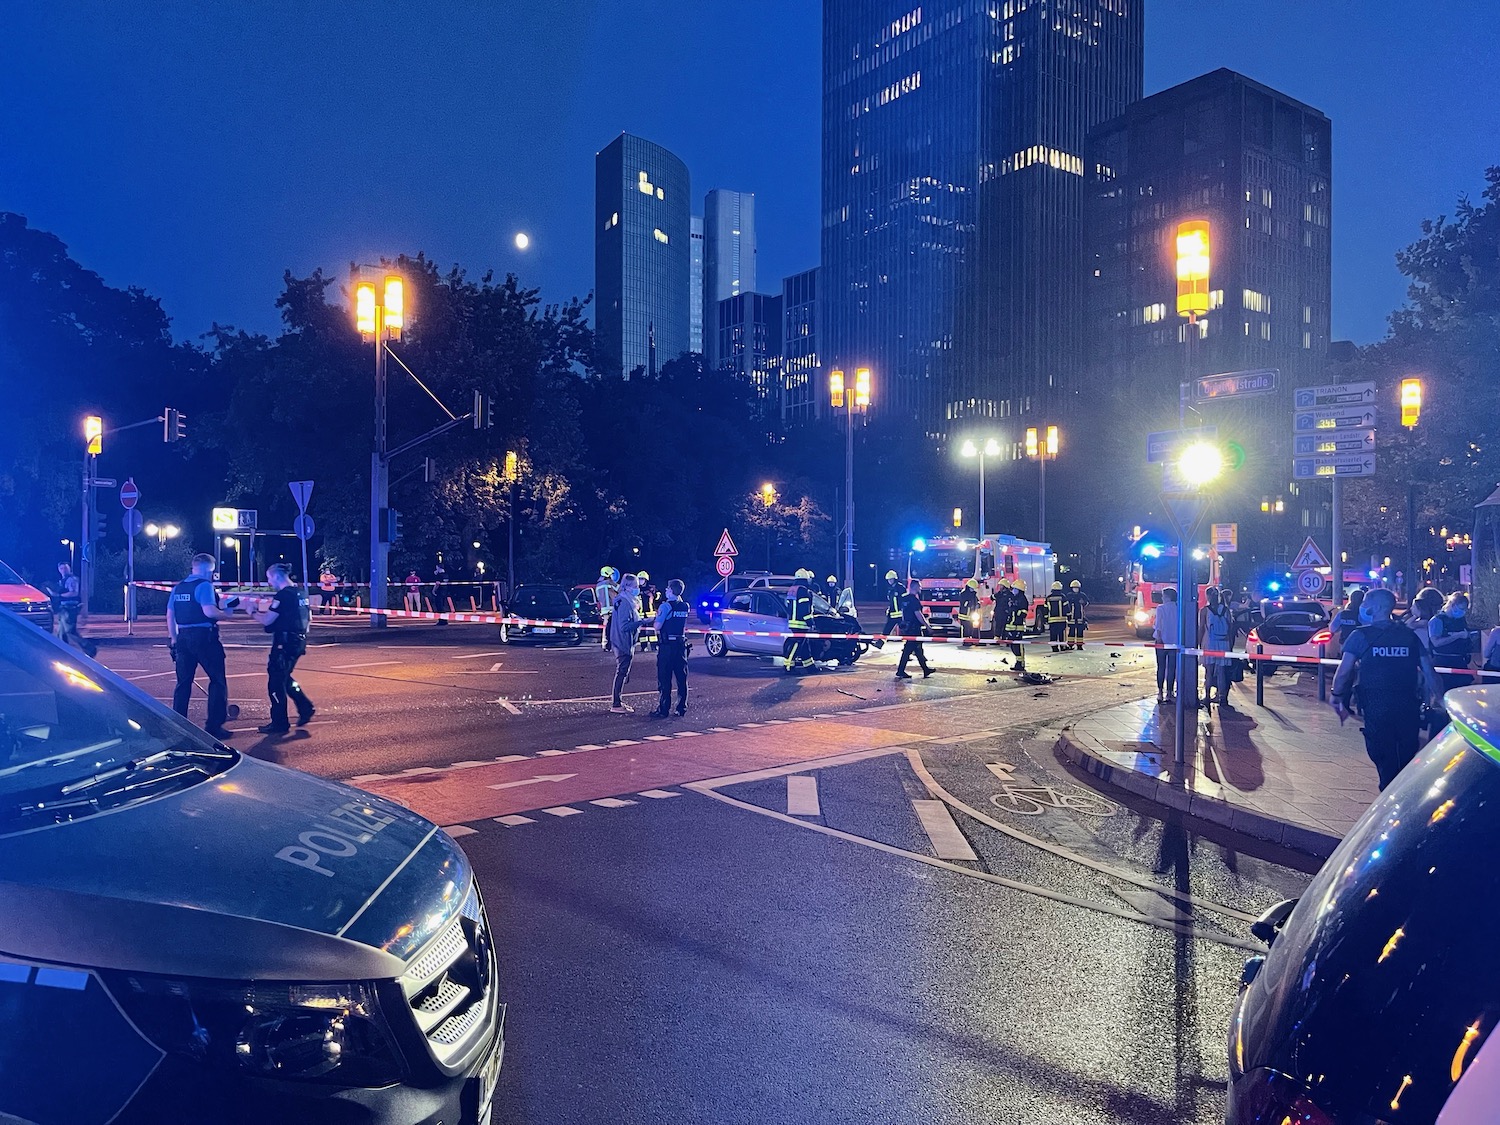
x: 1411, y: 402
x: 1193, y: 249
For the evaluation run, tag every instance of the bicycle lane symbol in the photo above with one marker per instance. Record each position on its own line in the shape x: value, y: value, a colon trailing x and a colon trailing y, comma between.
x: 1033, y: 800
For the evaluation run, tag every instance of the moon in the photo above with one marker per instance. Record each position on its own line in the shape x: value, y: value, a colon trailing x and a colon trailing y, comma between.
x: 523, y: 240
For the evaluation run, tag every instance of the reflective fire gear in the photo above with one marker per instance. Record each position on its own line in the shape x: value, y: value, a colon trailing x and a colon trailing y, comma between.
x: 1056, y: 610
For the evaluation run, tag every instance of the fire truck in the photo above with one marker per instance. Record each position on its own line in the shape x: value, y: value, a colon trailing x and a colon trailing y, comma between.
x: 1153, y: 571
x: 942, y: 564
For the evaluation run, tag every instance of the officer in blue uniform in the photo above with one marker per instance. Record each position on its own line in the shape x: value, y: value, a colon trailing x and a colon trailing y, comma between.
x: 193, y: 615
x: 671, y: 650
x: 286, y: 619
x: 1393, y: 668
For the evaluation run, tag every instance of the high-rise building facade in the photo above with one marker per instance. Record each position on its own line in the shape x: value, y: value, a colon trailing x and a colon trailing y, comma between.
x: 749, y: 343
x: 952, y: 184
x: 642, y: 256
x: 728, y: 255
x: 803, y: 385
x: 695, y: 287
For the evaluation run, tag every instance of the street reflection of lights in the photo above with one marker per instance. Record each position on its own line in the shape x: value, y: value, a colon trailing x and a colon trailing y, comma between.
x: 1453, y: 761
x: 1471, y: 1033
x: 1374, y: 892
x: 1390, y: 946
x: 1396, y: 1101
x: 1441, y: 811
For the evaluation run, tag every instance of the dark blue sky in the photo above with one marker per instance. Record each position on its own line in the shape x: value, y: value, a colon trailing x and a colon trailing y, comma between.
x: 198, y: 149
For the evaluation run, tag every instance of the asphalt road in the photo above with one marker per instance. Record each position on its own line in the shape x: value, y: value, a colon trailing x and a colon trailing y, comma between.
x: 833, y: 897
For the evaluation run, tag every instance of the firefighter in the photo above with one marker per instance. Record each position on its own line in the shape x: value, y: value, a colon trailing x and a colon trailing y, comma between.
x: 894, y: 592
x: 799, y: 613
x: 831, y: 590
x: 605, y: 592
x: 968, y: 609
x: 1015, y: 604
x: 1055, y: 607
x: 1078, y: 603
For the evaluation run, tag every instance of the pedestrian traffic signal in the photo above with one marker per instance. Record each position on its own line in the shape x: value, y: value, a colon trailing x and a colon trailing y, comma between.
x: 174, y: 425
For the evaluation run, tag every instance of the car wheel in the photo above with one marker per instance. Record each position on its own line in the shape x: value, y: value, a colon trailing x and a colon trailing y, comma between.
x: 577, y: 638
x: 505, y: 635
x: 716, y: 644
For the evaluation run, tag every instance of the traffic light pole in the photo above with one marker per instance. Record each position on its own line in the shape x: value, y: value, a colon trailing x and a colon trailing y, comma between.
x: 379, y: 484
x: 85, y: 541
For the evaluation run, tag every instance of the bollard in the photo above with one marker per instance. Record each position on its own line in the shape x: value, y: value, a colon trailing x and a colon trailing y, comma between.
x: 1322, y: 675
x: 1260, y: 677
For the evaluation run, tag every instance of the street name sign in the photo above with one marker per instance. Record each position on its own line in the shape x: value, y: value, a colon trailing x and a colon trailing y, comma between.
x: 1310, y: 556
x: 1340, y: 465
x: 1326, y: 443
x: 1236, y: 384
x: 1334, y: 394
x: 1163, y: 444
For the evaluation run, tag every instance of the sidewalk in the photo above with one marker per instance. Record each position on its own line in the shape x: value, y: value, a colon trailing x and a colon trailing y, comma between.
x: 1286, y: 773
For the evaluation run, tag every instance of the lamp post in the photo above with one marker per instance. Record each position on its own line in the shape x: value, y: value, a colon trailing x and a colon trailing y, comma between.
x: 1411, y: 412
x: 851, y: 400
x: 1200, y: 464
x: 768, y: 498
x: 161, y: 532
x: 1043, y: 448
x: 512, y: 474
x: 990, y: 448
x: 1194, y: 244
x: 239, y: 576
x: 380, y: 315
x: 70, y: 545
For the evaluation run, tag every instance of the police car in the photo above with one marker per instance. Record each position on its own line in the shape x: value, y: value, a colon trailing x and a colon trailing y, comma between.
x: 24, y: 599
x: 190, y: 935
x: 1378, y: 997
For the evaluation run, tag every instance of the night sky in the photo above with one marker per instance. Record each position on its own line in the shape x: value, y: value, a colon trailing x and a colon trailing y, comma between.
x: 199, y: 149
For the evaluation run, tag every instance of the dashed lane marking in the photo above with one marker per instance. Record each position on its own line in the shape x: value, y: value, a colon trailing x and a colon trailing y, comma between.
x: 456, y: 830
x: 477, y: 655
x: 802, y: 795
x: 509, y: 758
x: 590, y: 746
x: 947, y: 841
x: 687, y: 734
x: 660, y: 794
x: 363, y: 664
x: 513, y: 821
x: 611, y: 803
x: 658, y: 738
x: 550, y: 753
x: 563, y: 810
x: 625, y: 742
x: 508, y: 705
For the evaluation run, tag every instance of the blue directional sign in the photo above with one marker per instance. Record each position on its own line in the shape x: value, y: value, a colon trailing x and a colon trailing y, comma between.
x: 1341, y: 465
x: 1334, y: 394
x: 1237, y: 384
x: 1325, y: 443
x: 1162, y: 444
x: 1333, y: 418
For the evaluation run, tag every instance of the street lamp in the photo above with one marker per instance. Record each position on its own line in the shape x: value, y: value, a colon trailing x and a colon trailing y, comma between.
x: 512, y: 474
x: 851, y: 401
x: 379, y: 315
x: 70, y: 545
x: 231, y: 541
x: 768, y: 494
x: 990, y: 448
x: 1043, y: 451
x: 1198, y: 465
x: 162, y: 532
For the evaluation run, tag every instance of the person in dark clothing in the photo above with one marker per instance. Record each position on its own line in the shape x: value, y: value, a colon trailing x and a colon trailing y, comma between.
x: 671, y: 650
x: 286, y: 619
x: 894, y: 592
x: 1393, y: 669
x: 1078, y: 604
x: 968, y: 608
x: 1346, y: 620
x: 66, y: 603
x: 913, y: 626
x: 799, y: 605
x: 1016, y: 606
x: 1453, y: 642
x: 1055, y: 607
x: 193, y: 615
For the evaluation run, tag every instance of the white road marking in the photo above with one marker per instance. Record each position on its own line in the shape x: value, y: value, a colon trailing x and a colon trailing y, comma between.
x: 366, y: 664
x: 419, y: 769
x: 476, y: 655
x: 508, y: 705
x: 467, y: 765
x: 947, y: 841
x: 538, y: 780
x: 777, y: 722
x: 720, y: 730
x: 153, y: 675
x: 589, y: 746
x: 457, y: 830
x: 515, y: 820
x: 687, y: 734
x: 611, y: 803
x: 658, y: 738
x: 750, y: 726
x: 497, y: 672
x: 562, y: 810
x: 586, y: 698
x: 117, y: 671
x: 794, y: 767
x: 660, y: 794
x: 365, y: 777
x: 626, y: 742
x: 513, y: 758
x: 802, y: 795
x: 549, y: 753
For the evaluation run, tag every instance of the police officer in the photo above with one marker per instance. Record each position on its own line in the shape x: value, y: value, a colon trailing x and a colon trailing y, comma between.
x: 968, y: 607
x: 66, y: 605
x: 1078, y: 603
x: 914, y: 625
x: 1055, y: 607
x: 605, y: 591
x: 671, y: 650
x: 1016, y: 605
x: 1453, y: 642
x: 286, y: 619
x: 894, y: 592
x: 1393, y: 668
x: 799, y: 615
x: 193, y: 616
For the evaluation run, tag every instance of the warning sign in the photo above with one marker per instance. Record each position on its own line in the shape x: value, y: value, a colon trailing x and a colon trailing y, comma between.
x: 726, y: 545
x: 1310, y: 557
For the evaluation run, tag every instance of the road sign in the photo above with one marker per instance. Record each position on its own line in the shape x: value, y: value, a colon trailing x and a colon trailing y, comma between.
x: 1334, y: 394
x: 1333, y: 418
x: 1326, y: 443
x: 303, y: 527
x: 726, y: 545
x: 1186, y: 511
x: 132, y: 521
x: 1161, y: 445
x: 1310, y: 556
x: 724, y: 565
x: 1343, y: 465
x: 1226, y: 538
x: 1236, y: 384
x: 1310, y: 582
x: 301, y: 490
x: 130, y: 495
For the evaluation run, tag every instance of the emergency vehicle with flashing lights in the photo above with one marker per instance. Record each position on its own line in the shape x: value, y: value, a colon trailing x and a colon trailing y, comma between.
x: 1152, y: 572
x: 942, y: 564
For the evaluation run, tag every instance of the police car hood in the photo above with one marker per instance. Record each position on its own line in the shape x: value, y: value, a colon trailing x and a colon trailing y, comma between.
x: 258, y: 872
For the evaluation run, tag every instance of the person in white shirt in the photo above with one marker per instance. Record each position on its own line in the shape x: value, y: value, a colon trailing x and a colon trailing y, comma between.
x: 1167, y: 631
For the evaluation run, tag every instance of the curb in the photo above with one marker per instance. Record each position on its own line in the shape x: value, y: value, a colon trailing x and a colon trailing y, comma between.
x: 1074, y: 746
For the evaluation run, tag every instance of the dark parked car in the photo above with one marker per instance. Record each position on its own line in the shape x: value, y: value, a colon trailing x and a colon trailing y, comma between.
x: 189, y: 934
x: 541, y: 603
x: 1378, y: 997
x: 586, y: 605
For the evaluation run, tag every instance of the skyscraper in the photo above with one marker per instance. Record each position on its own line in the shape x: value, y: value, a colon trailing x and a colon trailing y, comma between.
x: 802, y: 387
x: 695, y: 288
x: 728, y: 256
x: 749, y: 343
x: 642, y: 256
x: 952, y: 242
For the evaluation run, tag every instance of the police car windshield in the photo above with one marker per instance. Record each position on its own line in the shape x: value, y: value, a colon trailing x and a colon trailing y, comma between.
x: 62, y: 720
x: 942, y: 564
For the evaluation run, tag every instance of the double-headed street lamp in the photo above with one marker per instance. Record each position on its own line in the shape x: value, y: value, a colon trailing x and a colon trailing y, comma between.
x: 380, y: 315
x: 1043, y: 448
x: 161, y: 532
x: 850, y: 400
x: 990, y: 448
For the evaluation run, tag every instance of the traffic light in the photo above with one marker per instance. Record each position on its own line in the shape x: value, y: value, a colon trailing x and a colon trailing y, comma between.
x: 174, y: 425
x: 100, y: 526
x: 390, y: 525
x: 429, y: 470
x: 484, y: 411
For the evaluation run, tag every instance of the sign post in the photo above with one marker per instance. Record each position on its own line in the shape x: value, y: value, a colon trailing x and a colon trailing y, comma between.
x: 724, y: 555
x: 1186, y: 511
x: 130, y: 496
x: 1333, y: 435
x: 301, y: 492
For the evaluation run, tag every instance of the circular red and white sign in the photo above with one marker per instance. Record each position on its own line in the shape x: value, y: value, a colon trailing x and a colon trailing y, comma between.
x: 725, y: 566
x: 129, y: 494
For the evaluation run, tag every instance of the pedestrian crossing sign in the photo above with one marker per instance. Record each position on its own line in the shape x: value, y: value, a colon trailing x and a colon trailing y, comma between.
x: 1310, y: 557
x: 726, y: 545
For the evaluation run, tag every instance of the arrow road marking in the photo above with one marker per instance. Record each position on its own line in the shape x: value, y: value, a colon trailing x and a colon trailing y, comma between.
x: 1003, y: 770
x: 533, y: 780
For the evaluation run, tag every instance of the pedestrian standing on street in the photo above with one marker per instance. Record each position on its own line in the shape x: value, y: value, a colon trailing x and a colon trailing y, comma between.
x: 605, y: 592
x: 440, y: 600
x: 193, y: 616
x: 1167, y: 634
x: 671, y: 650
x: 914, y: 626
x: 894, y: 592
x: 1216, y: 627
x: 1056, y: 608
x: 1394, y: 670
x: 286, y: 619
x: 328, y: 588
x: 65, y: 608
x: 1454, y: 641
x: 414, y: 592
x: 1078, y: 604
x: 1016, y: 605
x: 624, y: 623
